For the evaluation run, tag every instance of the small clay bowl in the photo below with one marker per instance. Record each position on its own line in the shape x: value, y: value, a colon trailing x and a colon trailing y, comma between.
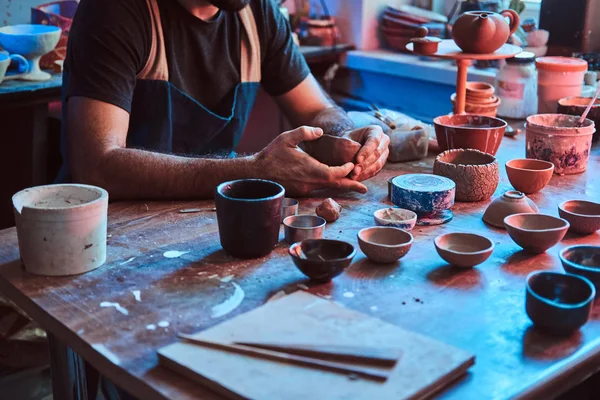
x: 511, y: 202
x: 528, y: 175
x: 535, y: 233
x: 426, y: 45
x: 395, y: 217
x: 289, y: 208
x: 465, y: 131
x: 479, y: 90
x: 301, y: 227
x: 584, y: 216
x: 322, y: 259
x: 582, y: 260
x: 384, y: 244
x: 475, y: 173
x: 464, y: 250
x: 558, y: 303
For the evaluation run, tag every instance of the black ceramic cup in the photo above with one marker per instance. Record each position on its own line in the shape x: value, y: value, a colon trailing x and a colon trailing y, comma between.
x: 249, y: 216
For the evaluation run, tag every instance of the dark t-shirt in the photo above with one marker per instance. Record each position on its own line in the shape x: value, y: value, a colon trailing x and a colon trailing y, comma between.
x: 110, y: 41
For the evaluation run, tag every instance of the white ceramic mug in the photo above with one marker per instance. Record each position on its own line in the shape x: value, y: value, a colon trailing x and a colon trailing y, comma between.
x: 7, y: 59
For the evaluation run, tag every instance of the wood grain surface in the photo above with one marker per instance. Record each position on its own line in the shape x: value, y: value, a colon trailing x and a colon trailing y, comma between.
x: 479, y: 310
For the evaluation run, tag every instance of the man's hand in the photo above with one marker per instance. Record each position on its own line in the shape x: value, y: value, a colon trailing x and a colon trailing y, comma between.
x: 284, y: 162
x: 373, y: 154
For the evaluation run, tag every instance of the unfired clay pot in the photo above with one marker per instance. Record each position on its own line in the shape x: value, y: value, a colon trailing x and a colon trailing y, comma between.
x: 475, y: 173
x: 61, y: 228
x: 536, y: 233
x: 464, y: 250
x: 384, y: 244
x: 528, y: 175
x: 467, y: 131
x: 483, y: 32
x: 584, y: 216
x: 511, y: 202
x: 332, y: 150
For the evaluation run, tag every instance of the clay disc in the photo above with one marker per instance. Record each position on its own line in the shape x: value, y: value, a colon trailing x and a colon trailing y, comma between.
x: 423, y: 193
x: 437, y: 218
x: 332, y: 150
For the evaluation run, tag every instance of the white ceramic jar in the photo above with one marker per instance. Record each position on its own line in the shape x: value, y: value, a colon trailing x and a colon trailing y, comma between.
x: 516, y: 85
x: 61, y: 228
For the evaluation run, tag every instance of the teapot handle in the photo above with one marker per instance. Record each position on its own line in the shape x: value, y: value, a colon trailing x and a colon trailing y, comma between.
x: 513, y: 16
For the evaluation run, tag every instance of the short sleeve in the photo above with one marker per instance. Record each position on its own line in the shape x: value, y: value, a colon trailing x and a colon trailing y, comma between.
x: 109, y: 44
x: 283, y: 67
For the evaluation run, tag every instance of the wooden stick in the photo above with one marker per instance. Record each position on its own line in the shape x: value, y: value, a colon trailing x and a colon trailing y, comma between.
x: 288, y: 358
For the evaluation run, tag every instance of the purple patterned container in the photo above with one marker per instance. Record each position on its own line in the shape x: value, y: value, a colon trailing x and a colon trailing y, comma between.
x: 555, y: 138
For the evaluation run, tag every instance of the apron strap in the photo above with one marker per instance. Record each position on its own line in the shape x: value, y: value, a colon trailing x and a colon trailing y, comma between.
x: 156, y: 67
x: 250, y: 47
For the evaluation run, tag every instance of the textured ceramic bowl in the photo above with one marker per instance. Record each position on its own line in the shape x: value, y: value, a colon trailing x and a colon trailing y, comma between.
x: 467, y: 131
x: 289, y: 207
x: 535, y: 233
x: 395, y: 217
x: 301, y: 227
x: 582, y: 260
x: 322, y: 259
x: 511, y: 202
x: 61, y: 228
x: 464, y: 250
x: 577, y: 105
x: 528, y: 175
x: 384, y: 244
x: 558, y: 303
x: 584, y: 216
x: 475, y: 173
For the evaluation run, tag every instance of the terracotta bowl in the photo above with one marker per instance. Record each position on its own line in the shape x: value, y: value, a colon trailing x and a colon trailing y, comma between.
x: 475, y: 173
x: 382, y: 244
x: 535, y: 233
x: 511, y: 202
x: 464, y: 250
x: 528, y: 175
x: 469, y: 132
x: 584, y: 216
x: 582, y: 260
x: 479, y: 90
x: 322, y: 259
x: 558, y: 303
x: 577, y: 105
x: 395, y: 217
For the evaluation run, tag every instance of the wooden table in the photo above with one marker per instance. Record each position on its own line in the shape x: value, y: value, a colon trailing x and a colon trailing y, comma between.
x: 480, y: 310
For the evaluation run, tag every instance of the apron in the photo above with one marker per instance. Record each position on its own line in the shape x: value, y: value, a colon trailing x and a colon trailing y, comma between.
x: 165, y: 119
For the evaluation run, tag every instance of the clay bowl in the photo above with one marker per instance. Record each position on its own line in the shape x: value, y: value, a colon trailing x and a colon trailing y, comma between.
x: 584, y: 216
x: 383, y: 244
x: 492, y: 101
x: 479, y: 90
x: 558, y: 303
x: 322, y: 259
x: 469, y: 132
x: 464, y: 250
x: 289, y: 208
x: 577, y: 105
x: 511, y: 202
x: 535, y: 233
x: 528, y: 175
x: 582, y: 260
x: 301, y: 227
x: 395, y: 217
x: 475, y: 173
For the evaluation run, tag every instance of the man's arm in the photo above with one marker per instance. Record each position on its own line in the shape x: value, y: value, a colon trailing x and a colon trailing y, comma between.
x: 97, y: 153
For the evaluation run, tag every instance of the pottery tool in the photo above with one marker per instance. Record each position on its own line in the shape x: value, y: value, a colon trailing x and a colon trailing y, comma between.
x: 196, y: 210
x: 429, y: 196
x: 380, y: 357
x: 289, y: 358
x: 589, y: 107
x: 425, y: 366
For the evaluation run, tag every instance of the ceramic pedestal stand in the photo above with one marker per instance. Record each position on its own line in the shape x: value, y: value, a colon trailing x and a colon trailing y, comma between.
x: 447, y: 49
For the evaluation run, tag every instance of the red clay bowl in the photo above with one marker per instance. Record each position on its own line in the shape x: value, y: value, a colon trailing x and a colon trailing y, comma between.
x: 584, y: 216
x: 528, y: 175
x: 535, y: 233
x: 464, y: 250
x: 466, y: 131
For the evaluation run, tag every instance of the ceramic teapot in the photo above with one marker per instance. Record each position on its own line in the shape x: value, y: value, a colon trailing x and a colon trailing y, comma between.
x: 483, y: 32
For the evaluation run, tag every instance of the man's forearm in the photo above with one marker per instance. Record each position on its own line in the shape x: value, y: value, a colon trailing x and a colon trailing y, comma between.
x: 163, y: 176
x: 334, y: 121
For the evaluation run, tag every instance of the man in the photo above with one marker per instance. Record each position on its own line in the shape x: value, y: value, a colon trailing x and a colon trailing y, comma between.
x: 153, y: 89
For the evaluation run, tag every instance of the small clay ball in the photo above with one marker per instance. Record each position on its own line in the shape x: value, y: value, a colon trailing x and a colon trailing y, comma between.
x: 329, y: 210
x: 422, y: 32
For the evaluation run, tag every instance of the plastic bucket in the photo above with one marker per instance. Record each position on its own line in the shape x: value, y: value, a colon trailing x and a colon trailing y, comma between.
x: 558, y: 77
x: 554, y: 138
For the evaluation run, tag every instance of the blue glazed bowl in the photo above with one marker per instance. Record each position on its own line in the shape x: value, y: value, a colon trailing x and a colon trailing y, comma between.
x: 28, y: 39
x: 558, y: 303
x: 395, y: 217
x: 582, y: 260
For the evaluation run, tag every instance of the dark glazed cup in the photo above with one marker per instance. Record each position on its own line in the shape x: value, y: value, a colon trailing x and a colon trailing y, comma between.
x: 249, y: 216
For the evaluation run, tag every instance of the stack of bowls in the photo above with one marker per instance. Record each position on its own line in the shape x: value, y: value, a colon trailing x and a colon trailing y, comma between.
x: 480, y: 99
x: 398, y: 25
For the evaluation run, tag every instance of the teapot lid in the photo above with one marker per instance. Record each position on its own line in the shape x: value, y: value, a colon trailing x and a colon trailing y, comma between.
x: 561, y: 64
